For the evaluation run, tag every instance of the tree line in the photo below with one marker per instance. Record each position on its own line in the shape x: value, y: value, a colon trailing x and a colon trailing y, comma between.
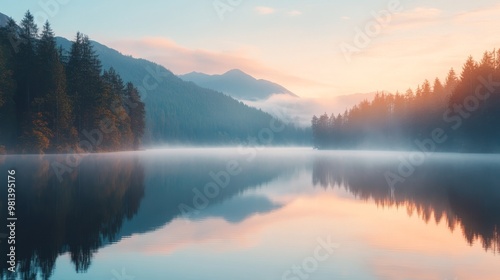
x: 463, y: 110
x: 53, y: 101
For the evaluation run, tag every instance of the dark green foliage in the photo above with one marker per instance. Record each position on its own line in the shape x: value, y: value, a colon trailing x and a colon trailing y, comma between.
x: 51, y: 105
x: 85, y: 85
x: 7, y: 89
x: 136, y: 111
x: 52, y: 85
x: 25, y: 71
x: 464, y: 110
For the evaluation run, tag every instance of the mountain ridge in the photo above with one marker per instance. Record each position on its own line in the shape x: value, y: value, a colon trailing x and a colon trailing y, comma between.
x: 238, y: 84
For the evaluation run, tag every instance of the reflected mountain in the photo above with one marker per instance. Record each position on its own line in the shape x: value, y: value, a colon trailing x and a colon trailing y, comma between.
x: 76, y: 215
x: 170, y: 183
x: 239, y: 208
x: 461, y: 191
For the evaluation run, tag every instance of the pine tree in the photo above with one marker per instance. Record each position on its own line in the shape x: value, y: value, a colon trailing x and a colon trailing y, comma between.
x: 52, y: 85
x: 84, y: 82
x: 426, y: 88
x: 25, y: 71
x: 111, y: 109
x: 451, y: 82
x: 468, y: 70
x: 440, y: 97
x: 137, y: 113
x: 487, y: 64
x: 438, y: 87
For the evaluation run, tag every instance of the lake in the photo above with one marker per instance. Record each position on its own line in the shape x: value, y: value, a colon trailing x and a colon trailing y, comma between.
x: 257, y: 214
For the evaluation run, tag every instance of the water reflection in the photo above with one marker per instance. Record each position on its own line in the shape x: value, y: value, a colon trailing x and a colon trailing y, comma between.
x: 93, y: 206
x: 76, y: 215
x: 171, y: 180
x: 461, y: 191
x: 133, y: 199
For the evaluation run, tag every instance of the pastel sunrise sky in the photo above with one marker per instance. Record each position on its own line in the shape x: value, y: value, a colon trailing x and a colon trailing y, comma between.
x: 294, y: 43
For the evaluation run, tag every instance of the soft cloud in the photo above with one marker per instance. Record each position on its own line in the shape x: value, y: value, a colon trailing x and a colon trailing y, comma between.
x: 182, y: 60
x: 345, y: 18
x: 416, y: 18
x: 294, y: 13
x: 263, y: 10
x: 479, y: 16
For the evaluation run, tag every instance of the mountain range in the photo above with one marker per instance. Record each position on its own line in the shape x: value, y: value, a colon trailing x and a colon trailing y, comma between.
x: 238, y: 84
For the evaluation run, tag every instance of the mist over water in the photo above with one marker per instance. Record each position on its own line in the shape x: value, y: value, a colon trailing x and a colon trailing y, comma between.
x: 299, y: 110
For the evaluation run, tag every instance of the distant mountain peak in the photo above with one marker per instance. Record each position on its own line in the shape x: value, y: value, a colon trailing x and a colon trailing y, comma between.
x: 235, y: 72
x: 237, y: 84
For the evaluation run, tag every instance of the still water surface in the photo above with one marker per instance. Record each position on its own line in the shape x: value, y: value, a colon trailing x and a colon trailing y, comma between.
x: 272, y: 214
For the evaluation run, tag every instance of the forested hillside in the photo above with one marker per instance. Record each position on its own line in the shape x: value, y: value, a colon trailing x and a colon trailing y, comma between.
x: 460, y: 114
x: 180, y: 112
x: 55, y: 103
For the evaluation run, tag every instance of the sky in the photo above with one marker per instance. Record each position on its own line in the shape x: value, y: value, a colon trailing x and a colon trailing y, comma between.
x: 316, y: 48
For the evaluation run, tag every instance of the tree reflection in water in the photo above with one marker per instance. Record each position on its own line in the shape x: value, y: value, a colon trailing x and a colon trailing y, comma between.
x: 461, y: 192
x: 75, y: 216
